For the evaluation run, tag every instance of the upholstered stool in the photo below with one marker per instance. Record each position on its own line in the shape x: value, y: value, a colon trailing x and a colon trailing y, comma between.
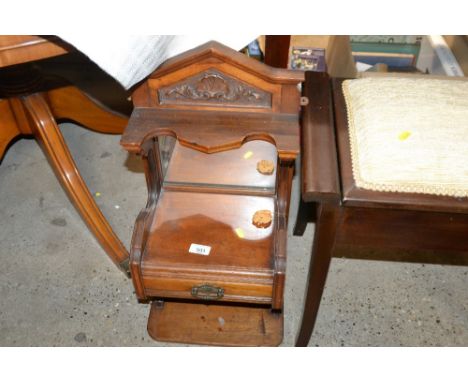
x: 384, y: 168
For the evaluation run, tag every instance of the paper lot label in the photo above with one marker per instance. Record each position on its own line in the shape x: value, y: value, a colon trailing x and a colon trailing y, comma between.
x: 199, y: 249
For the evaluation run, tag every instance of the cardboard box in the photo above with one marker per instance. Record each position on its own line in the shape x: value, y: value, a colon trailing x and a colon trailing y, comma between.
x: 338, y: 56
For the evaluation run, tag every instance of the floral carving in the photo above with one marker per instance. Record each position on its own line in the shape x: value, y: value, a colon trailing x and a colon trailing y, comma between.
x: 212, y: 87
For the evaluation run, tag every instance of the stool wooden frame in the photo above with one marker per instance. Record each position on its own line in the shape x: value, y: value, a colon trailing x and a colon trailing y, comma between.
x: 354, y: 222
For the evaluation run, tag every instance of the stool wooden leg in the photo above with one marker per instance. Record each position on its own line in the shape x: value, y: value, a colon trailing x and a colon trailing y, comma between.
x: 47, y: 133
x: 306, y: 213
x: 322, y: 248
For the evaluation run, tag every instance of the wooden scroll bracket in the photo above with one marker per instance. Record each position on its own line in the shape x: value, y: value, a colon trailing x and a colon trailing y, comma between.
x: 153, y: 171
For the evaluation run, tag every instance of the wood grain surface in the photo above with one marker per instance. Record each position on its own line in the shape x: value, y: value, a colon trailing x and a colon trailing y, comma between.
x: 215, y: 324
x: 240, y: 253
x: 18, y: 49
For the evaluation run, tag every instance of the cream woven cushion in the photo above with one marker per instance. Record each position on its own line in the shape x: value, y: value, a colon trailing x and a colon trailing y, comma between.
x: 409, y: 134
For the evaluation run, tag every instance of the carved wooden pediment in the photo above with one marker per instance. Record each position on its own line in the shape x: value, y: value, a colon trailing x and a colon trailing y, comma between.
x: 212, y: 88
x: 212, y: 77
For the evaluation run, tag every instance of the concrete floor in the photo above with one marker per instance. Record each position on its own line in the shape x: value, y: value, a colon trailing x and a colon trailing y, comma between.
x: 58, y: 288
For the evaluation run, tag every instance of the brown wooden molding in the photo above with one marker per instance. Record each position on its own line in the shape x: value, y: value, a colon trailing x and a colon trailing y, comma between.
x: 320, y: 178
x: 215, y: 51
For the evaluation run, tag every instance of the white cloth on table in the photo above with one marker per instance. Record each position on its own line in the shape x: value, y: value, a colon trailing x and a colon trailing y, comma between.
x: 129, y: 59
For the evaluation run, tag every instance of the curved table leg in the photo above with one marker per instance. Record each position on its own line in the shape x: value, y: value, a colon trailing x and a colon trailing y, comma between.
x: 8, y: 126
x: 71, y: 103
x: 322, y: 248
x: 47, y: 133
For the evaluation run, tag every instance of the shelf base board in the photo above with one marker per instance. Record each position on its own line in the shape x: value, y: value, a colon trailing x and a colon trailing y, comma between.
x: 215, y: 324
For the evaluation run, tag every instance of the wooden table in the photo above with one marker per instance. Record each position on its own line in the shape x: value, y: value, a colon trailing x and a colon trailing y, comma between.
x: 31, y: 104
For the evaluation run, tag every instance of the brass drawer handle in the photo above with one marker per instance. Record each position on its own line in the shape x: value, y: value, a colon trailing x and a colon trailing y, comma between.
x: 207, y: 292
